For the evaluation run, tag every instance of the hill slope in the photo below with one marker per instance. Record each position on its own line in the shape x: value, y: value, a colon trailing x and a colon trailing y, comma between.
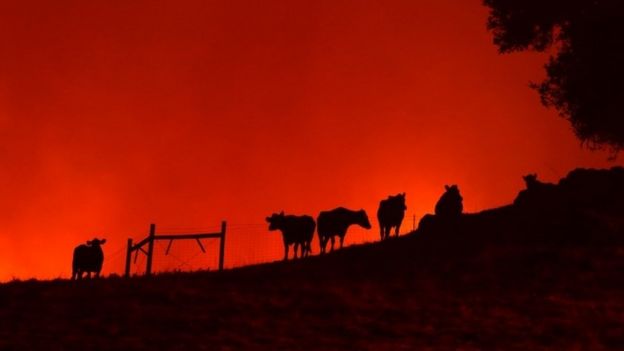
x: 507, y: 278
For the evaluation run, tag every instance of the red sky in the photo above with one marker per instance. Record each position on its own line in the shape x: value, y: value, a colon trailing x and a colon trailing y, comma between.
x: 117, y: 114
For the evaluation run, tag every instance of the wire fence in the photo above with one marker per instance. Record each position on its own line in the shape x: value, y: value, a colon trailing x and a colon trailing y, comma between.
x: 246, y: 244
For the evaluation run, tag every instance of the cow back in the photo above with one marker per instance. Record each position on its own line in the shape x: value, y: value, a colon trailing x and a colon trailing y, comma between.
x: 335, y: 221
x: 298, y: 228
x: 390, y: 212
x: 88, y: 258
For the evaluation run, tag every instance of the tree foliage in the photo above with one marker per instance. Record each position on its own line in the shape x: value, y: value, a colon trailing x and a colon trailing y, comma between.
x: 585, y: 74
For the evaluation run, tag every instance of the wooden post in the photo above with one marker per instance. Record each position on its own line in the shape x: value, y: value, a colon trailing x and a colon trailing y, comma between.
x: 222, y: 246
x: 150, y: 249
x: 128, y: 258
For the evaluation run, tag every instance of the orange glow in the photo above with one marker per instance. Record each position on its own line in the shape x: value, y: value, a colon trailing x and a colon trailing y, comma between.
x: 114, y: 115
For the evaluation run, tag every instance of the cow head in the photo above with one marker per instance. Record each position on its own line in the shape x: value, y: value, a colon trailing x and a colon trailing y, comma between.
x: 450, y: 203
x: 362, y: 218
x: 452, y: 191
x: 275, y: 221
x: 399, y: 200
x: 96, y: 242
x: 530, y: 180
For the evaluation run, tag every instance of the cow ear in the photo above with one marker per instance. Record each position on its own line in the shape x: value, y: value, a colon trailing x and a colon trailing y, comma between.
x: 102, y: 241
x: 447, y: 187
x: 268, y: 219
x: 89, y: 242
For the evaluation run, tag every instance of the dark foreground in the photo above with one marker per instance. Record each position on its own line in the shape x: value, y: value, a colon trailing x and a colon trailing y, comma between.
x: 443, y: 289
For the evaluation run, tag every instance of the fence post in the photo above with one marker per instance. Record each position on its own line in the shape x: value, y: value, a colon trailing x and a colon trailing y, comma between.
x: 150, y: 249
x: 128, y: 258
x: 222, y: 246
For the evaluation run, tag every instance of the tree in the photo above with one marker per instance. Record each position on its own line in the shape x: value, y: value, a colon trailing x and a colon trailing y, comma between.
x: 585, y: 73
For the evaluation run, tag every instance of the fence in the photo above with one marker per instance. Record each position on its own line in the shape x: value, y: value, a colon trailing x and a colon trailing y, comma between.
x: 153, y: 237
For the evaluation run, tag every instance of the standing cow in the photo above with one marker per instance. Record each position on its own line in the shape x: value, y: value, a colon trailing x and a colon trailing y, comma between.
x: 336, y: 222
x: 390, y: 214
x: 296, y: 230
x: 88, y: 258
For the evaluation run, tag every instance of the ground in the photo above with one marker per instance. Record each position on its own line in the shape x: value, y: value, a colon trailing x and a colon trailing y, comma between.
x: 469, y: 287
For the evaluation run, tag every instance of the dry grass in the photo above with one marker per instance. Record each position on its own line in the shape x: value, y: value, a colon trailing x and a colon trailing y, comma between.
x: 435, y: 291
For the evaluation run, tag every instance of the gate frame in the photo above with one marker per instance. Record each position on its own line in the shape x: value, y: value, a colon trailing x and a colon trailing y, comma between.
x: 152, y: 237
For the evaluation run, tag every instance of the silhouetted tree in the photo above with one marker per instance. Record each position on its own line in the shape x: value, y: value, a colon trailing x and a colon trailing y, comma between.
x: 585, y: 74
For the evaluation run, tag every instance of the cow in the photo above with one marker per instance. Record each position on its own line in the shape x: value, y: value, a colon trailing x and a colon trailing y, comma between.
x: 336, y: 222
x: 88, y: 259
x: 390, y: 214
x: 296, y: 230
x: 450, y: 204
x: 540, y: 197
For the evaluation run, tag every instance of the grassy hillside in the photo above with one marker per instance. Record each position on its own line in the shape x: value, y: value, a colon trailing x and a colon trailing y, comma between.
x: 510, y: 278
x: 441, y: 290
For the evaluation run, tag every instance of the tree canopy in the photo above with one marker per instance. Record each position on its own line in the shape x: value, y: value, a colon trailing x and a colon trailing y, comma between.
x: 585, y: 73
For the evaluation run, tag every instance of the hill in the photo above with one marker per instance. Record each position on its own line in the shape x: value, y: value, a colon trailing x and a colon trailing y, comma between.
x: 524, y: 276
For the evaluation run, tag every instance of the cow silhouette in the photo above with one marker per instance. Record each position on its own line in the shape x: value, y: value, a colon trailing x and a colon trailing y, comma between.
x: 88, y: 259
x: 336, y: 222
x: 532, y: 183
x: 296, y: 230
x: 450, y: 204
x: 540, y: 197
x: 390, y: 215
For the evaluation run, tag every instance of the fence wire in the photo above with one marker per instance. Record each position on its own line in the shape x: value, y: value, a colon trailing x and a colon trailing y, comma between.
x: 245, y: 244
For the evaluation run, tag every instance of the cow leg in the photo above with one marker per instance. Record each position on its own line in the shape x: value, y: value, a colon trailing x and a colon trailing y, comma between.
x: 296, y: 248
x: 341, y: 241
x: 381, y: 232
x: 396, y: 231
x: 323, y: 244
x: 285, y: 252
